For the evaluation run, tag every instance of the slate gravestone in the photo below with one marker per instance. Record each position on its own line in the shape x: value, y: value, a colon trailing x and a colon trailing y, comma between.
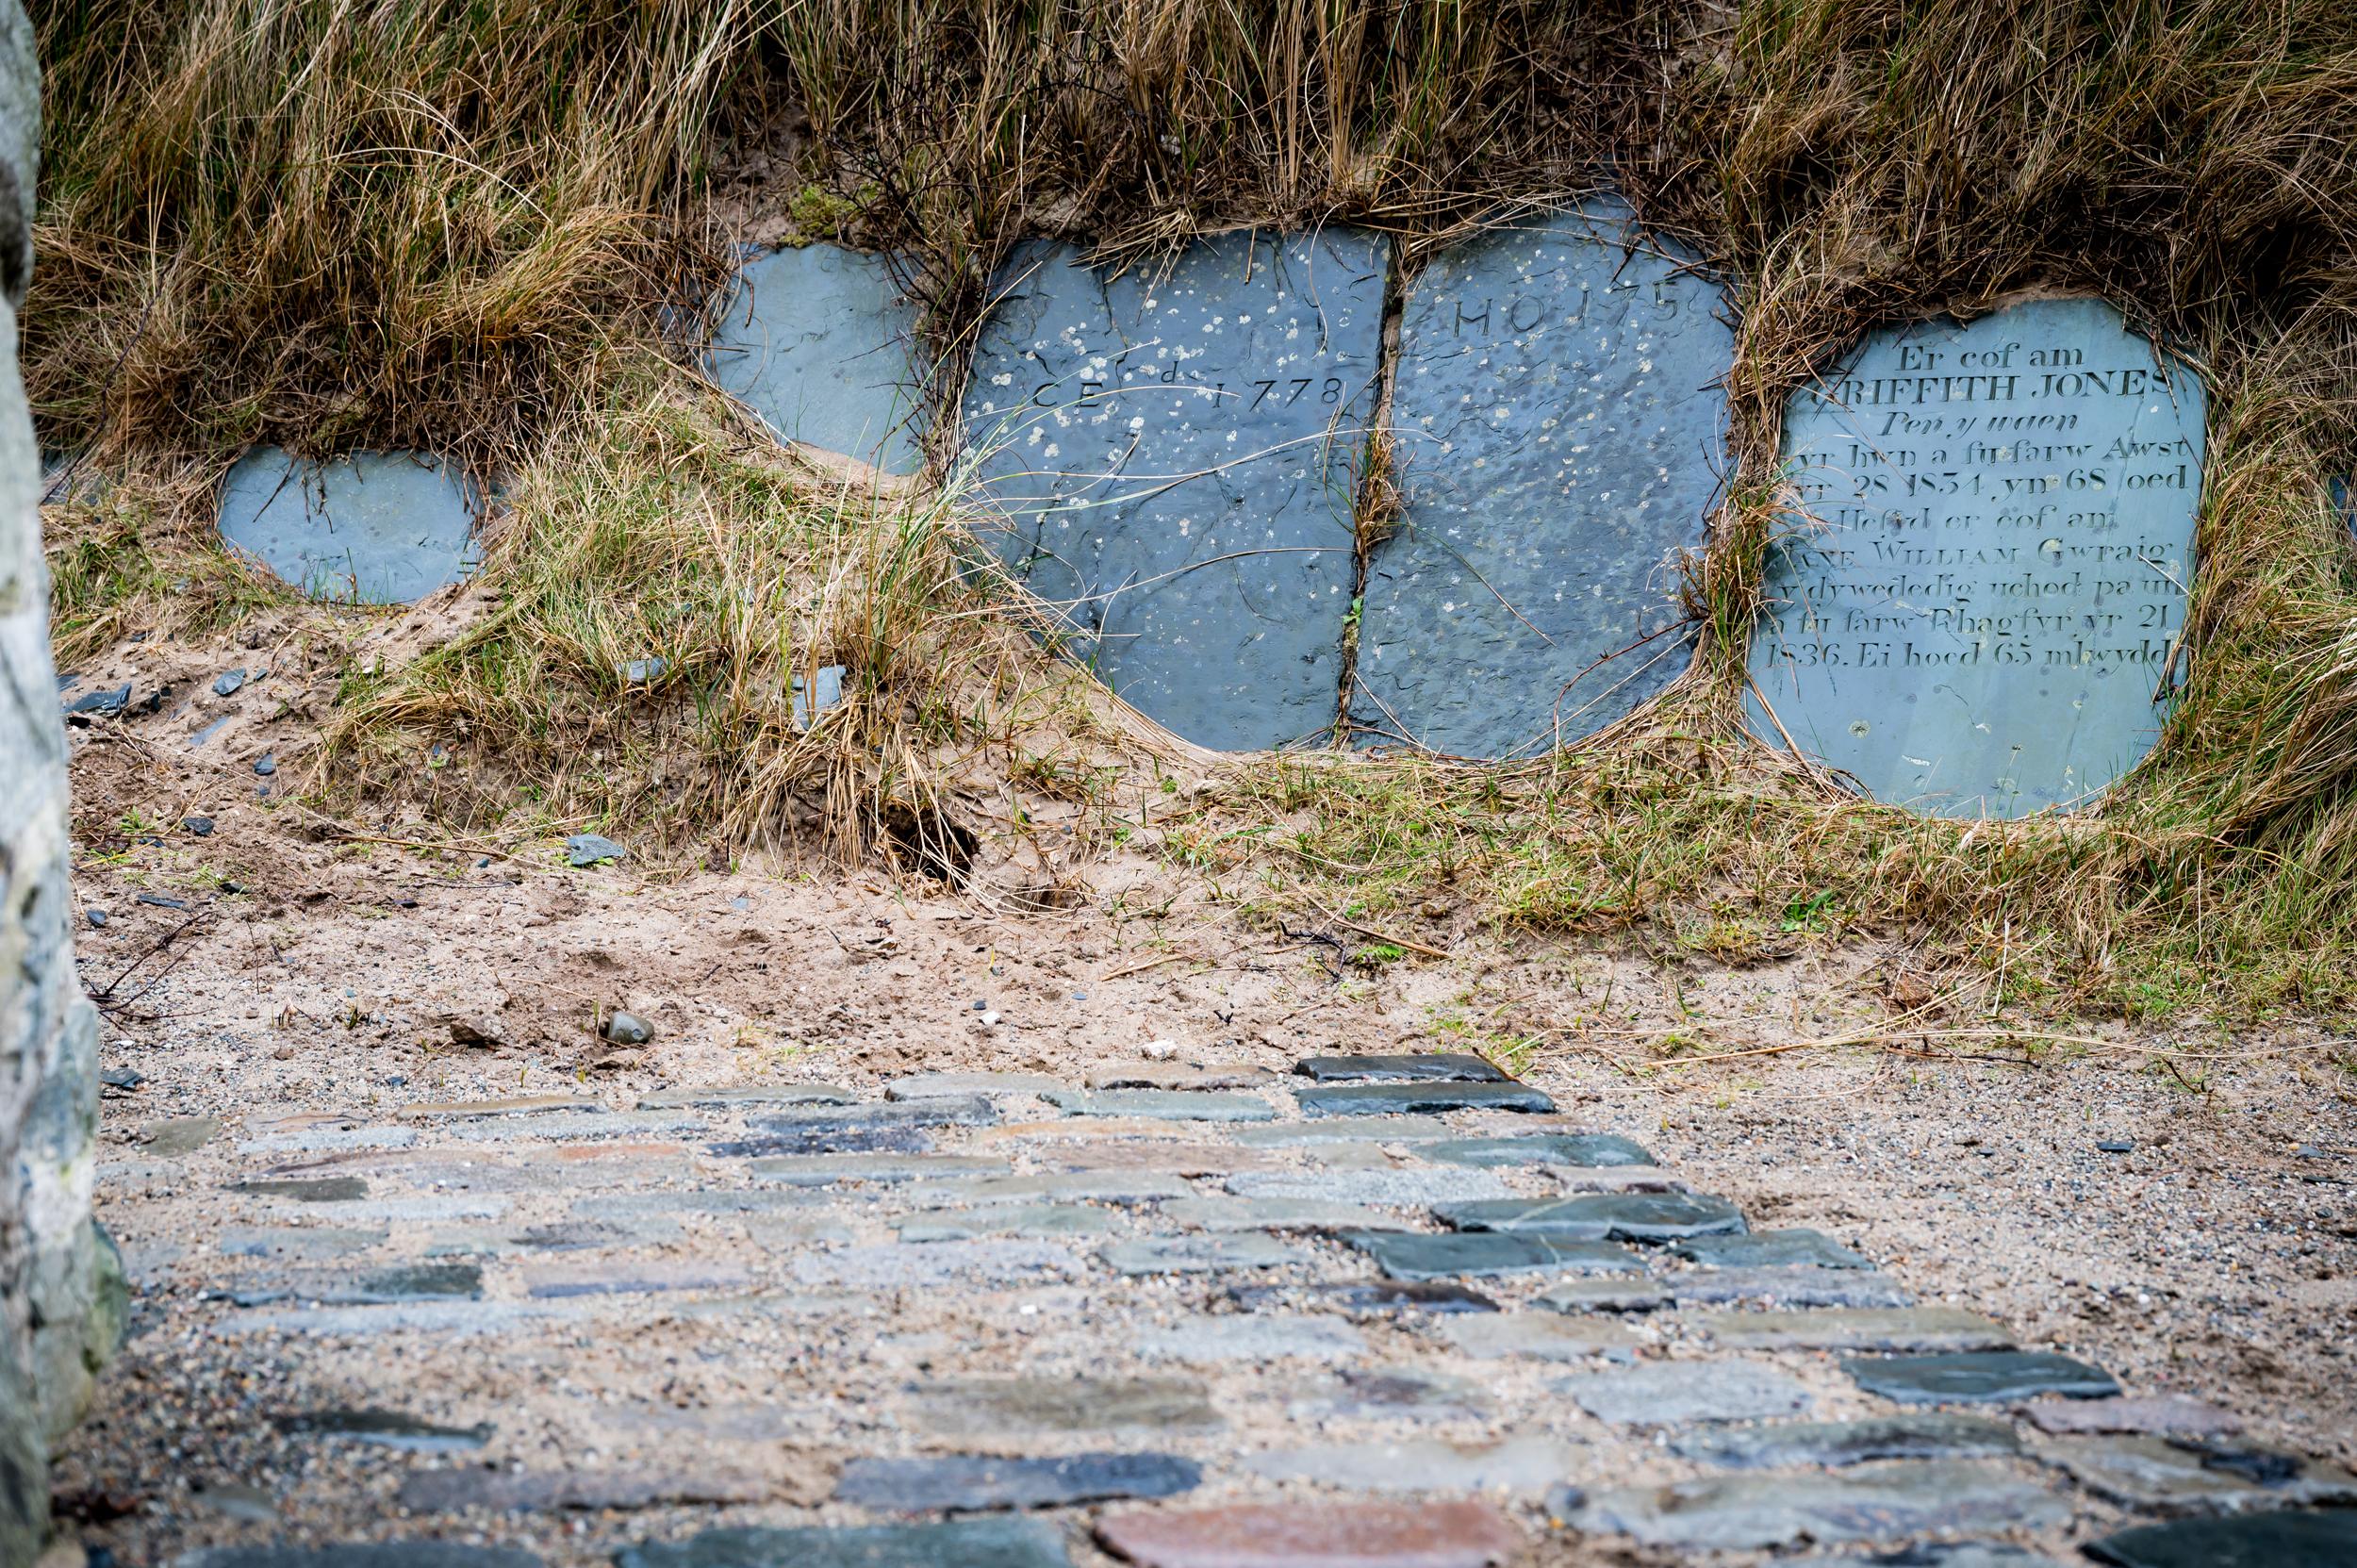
x: 1561, y: 436
x: 367, y: 528
x: 816, y: 339
x: 1979, y: 611
x: 1170, y: 456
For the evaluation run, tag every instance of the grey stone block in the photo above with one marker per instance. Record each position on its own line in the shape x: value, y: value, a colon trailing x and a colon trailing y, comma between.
x: 820, y: 343
x: 1877, y: 1503
x: 367, y: 528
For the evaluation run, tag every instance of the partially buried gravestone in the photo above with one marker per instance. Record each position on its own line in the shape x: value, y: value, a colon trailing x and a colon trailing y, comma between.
x: 1561, y: 429
x: 1170, y: 453
x: 817, y: 341
x: 366, y: 528
x: 1979, y: 613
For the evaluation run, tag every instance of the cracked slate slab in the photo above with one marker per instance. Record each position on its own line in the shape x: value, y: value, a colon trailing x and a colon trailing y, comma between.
x: 366, y: 528
x: 1475, y: 1254
x: 1979, y: 1376
x: 982, y: 1406
x: 1667, y: 1394
x: 1561, y: 426
x: 401, y: 1282
x: 1168, y: 453
x: 1201, y: 1254
x: 2287, y: 1539
x: 1415, y: 1067
x: 1793, y: 1249
x: 1598, y: 1216
x: 1916, y: 1435
x: 1255, y: 1338
x: 1789, y: 1287
x: 1163, y: 1104
x: 1378, y: 1099
x: 1863, y: 1329
x: 1526, y: 1465
x: 969, y: 1483
x: 2158, y: 1475
x: 959, y: 1543
x: 1359, y: 1534
x: 819, y: 341
x: 1871, y: 1503
x: 966, y: 1110
x: 1592, y: 1149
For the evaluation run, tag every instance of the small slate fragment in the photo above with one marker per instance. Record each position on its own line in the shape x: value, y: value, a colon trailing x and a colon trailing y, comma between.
x: 1795, y: 1249
x: 102, y: 704
x: 972, y: 1484
x: 1361, y: 1534
x: 228, y: 681
x: 959, y: 1543
x: 1979, y: 1376
x: 1482, y: 1254
x: 2268, y: 1540
x: 1593, y: 1150
x: 1833, y: 1444
x: 1381, y: 1099
x: 626, y: 1028
x: 1433, y: 1067
x: 589, y: 848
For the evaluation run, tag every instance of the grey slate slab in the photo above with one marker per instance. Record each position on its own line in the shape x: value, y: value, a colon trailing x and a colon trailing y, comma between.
x: 1603, y: 1294
x: 943, y: 1110
x: 290, y: 1241
x: 384, y: 1428
x: 965, y: 1085
x: 969, y: 1483
x: 1380, y: 1099
x: 1256, y: 1338
x: 1169, y: 453
x: 752, y: 1093
x: 1414, y: 1068
x: 1394, y: 1130
x: 1595, y: 1216
x: 1368, y: 1296
x: 1030, y: 1221
x: 1470, y: 1254
x: 1163, y: 1104
x: 1536, y: 1336
x: 323, y: 1189
x: 1979, y: 1376
x: 375, y: 1554
x: 2160, y: 1475
x: 1079, y: 1186
x: 1982, y: 617
x: 1858, y: 1328
x: 1877, y: 1503
x: 1202, y: 1254
x: 819, y: 341
x: 2273, y: 1540
x: 821, y: 1170
x: 1788, y: 1287
x: 401, y: 1282
x: 976, y: 1407
x: 959, y: 1543
x: 572, y: 1490
x: 367, y: 528
x: 903, y: 1265
x: 1515, y: 1464
x: 1794, y: 1248
x: 1405, y: 1189
x: 1666, y: 1393
x: 1917, y: 1435
x: 1561, y: 431
x: 1402, y: 1392
x: 1277, y: 1213
x: 1593, y: 1149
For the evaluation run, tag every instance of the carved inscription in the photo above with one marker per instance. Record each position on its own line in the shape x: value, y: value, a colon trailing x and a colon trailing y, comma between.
x: 1978, y: 610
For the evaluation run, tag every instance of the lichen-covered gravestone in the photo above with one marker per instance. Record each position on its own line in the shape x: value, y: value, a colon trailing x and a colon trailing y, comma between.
x: 816, y: 339
x: 367, y: 528
x: 1979, y: 612
x: 1560, y: 432
x: 1171, y: 451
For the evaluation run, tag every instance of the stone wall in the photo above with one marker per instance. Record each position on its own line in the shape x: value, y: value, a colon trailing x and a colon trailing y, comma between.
x: 61, y: 1288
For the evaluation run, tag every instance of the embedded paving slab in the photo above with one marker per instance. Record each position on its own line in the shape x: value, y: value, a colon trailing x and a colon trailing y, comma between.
x: 367, y: 528
x: 2267, y: 1539
x: 1432, y: 1067
x: 1539, y: 1149
x: 1313, y: 1535
x: 1663, y: 1393
x: 1769, y: 1249
x: 1606, y: 1295
x: 1502, y: 1335
x: 1168, y: 450
x: 1788, y: 1287
x: 2195, y: 1476
x: 1408, y: 1189
x: 969, y: 1483
x: 1164, y: 1105
x: 1470, y: 1255
x: 1864, y: 1328
x: 373, y: 1554
x: 961, y: 1544
x: 1378, y: 1099
x: 1870, y: 1503
x: 978, y: 1407
x: 1561, y: 425
x: 1979, y: 1376
x: 1834, y: 1444
x: 1255, y: 1338
x: 1202, y: 1254
x: 1517, y: 1465
x: 2160, y: 1414
x: 1595, y: 1216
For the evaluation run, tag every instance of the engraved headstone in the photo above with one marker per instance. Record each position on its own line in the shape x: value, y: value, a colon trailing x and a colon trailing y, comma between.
x: 1561, y: 433
x: 367, y: 528
x: 816, y: 339
x: 1169, y: 452
x: 1979, y: 612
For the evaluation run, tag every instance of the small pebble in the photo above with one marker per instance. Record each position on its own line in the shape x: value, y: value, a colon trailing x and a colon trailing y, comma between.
x: 626, y: 1028
x: 2115, y: 1145
x: 1161, y: 1050
x: 96, y: 917
x: 265, y: 764
x: 201, y: 826
x: 989, y: 1020
x: 589, y: 849
x: 978, y: 1005
x: 227, y: 682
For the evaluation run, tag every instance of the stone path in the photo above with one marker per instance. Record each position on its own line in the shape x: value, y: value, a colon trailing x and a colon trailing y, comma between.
x: 1386, y: 1312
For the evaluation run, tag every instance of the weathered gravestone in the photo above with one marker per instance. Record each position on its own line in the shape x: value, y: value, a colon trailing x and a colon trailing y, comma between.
x: 1979, y: 612
x: 1170, y: 454
x: 366, y: 528
x: 817, y: 341
x: 1560, y: 432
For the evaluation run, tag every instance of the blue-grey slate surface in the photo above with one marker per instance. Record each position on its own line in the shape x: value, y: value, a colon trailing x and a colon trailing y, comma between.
x: 367, y: 528
x: 1560, y: 435
x: 1168, y: 454
x: 818, y: 341
x: 1976, y: 610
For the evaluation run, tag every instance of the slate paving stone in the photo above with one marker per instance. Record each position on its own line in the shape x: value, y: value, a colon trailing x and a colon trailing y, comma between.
x: 633, y: 1207
x: 1533, y: 1337
x: 372, y: 1554
x: 1056, y: 1187
x: 1368, y: 1296
x: 296, y: 1242
x: 1918, y: 1328
x: 178, y: 1135
x: 1667, y: 1394
x: 1205, y: 1254
x: 1923, y: 1435
x: 1179, y: 1075
x: 1598, y: 1149
x: 1526, y: 1466
x: 1597, y: 1216
x: 574, y: 1235
x: 1430, y: 1067
x: 1986, y: 1377
x: 982, y: 1406
x: 1163, y: 1104
x: 959, y: 1543
x: 1603, y: 1295
x: 1474, y: 1254
x: 975, y: 1483
x: 326, y: 1139
x: 1395, y: 1393
x: 1364, y: 1534
x: 1389, y: 1189
x: 1171, y: 1157
x: 1400, y: 1130
x: 1868, y: 1503
x: 325, y: 1189
x: 522, y: 1105
x: 1255, y: 1338
x: 407, y: 1282
x: 1934, y: 1554
x: 385, y: 1429
x: 896, y: 1265
x: 2158, y: 1415
x: 2157, y: 1475
x: 823, y: 1170
x: 940, y: 1110
x: 1167, y: 451
x: 858, y: 1140
x: 966, y: 1085
x: 2290, y: 1539
x: 1789, y: 1287
x: 1383, y: 1100
x: 576, y: 1124
x: 752, y: 1093
x: 1794, y: 1248
x: 1277, y: 1213
x: 621, y: 1276
x: 455, y: 1319
x: 364, y: 528
x: 1027, y: 1221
